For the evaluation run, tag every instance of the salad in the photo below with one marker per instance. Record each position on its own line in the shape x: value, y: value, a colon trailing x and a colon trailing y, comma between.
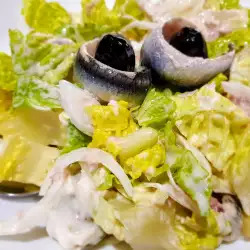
x: 133, y: 119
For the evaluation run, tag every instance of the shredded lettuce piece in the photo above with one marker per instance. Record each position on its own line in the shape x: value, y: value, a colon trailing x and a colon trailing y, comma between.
x: 240, y: 69
x: 222, y: 4
x: 188, y: 172
x: 133, y: 144
x: 25, y: 161
x: 155, y: 110
x: 238, y: 39
x: 7, y: 75
x: 45, y: 17
x: 239, y: 172
x: 152, y: 225
x: 98, y: 19
x: 41, y: 55
x: 112, y: 120
x: 39, y: 62
x: 36, y: 93
x: 75, y: 139
x: 211, y: 123
x: 148, y: 162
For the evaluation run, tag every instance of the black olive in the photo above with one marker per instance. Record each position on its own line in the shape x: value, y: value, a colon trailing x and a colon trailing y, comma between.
x: 116, y: 52
x: 190, y: 42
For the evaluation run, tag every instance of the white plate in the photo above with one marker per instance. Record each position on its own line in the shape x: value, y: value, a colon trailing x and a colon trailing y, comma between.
x: 10, y: 18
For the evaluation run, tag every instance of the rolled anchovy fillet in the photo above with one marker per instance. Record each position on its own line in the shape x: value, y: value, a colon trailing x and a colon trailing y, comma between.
x: 174, y: 66
x: 108, y: 83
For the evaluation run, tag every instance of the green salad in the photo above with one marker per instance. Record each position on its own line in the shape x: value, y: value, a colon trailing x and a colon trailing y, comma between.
x: 133, y: 119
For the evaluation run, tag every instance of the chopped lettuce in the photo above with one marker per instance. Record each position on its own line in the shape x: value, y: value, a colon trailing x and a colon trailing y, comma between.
x: 133, y: 144
x: 155, y: 110
x: 222, y: 4
x: 41, y: 55
x: 25, y: 161
x: 36, y: 93
x: 99, y: 19
x: 211, y: 123
x: 146, y: 225
x: 193, y: 179
x: 103, y: 178
x: 39, y: 63
x: 7, y: 75
x: 75, y: 139
x: 240, y: 70
x: 238, y: 39
x: 240, y: 171
x: 188, y: 172
x: 112, y: 120
x: 148, y: 162
x: 45, y: 17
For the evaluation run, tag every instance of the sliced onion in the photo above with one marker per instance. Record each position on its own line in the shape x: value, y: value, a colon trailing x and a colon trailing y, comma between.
x: 90, y: 156
x: 73, y: 101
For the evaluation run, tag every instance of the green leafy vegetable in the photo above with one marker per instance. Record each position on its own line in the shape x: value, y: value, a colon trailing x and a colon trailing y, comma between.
x: 152, y: 225
x: 133, y: 144
x: 149, y: 162
x: 75, y: 139
x: 39, y: 61
x: 41, y: 55
x: 238, y: 39
x: 211, y: 123
x: 36, y: 93
x: 98, y: 19
x: 188, y: 172
x: 45, y: 17
x: 7, y: 75
x: 112, y: 120
x: 156, y: 109
x: 222, y: 4
x: 240, y: 70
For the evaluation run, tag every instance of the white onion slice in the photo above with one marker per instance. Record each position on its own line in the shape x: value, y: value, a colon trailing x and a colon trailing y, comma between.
x: 73, y: 101
x: 90, y: 156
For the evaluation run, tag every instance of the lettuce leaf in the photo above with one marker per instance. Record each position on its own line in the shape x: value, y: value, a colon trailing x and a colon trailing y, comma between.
x: 75, y: 139
x: 145, y: 225
x: 222, y: 4
x: 25, y: 161
x: 7, y: 75
x: 45, y: 17
x: 41, y: 55
x: 133, y: 144
x: 238, y: 39
x: 188, y: 172
x: 112, y: 120
x: 148, y: 162
x: 36, y: 93
x: 240, y: 69
x: 211, y: 123
x: 155, y: 110
x: 39, y: 62
x: 240, y: 170
x: 99, y: 19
